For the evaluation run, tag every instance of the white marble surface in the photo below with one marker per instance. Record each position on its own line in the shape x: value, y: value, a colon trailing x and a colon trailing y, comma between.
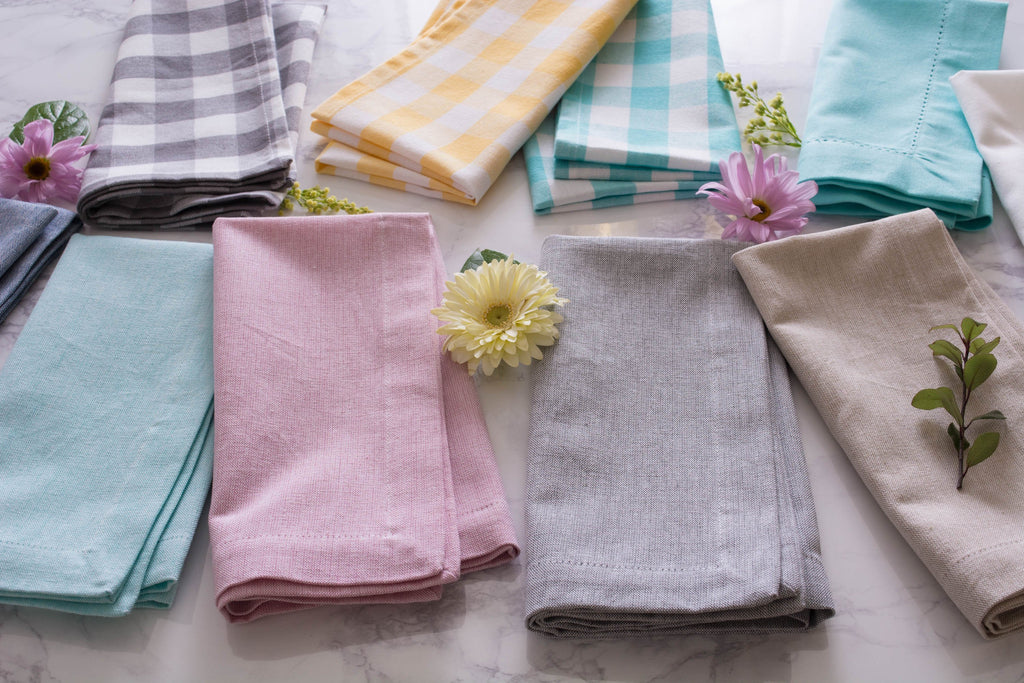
x: 894, y: 623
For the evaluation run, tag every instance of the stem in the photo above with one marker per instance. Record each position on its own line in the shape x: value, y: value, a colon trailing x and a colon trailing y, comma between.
x: 965, y: 394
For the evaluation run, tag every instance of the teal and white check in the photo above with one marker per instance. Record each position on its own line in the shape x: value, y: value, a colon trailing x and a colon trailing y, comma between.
x: 649, y: 106
x: 551, y: 195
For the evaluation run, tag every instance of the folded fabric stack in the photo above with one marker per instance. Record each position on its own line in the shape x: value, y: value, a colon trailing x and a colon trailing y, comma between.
x: 667, y: 491
x: 352, y: 461
x: 992, y: 102
x: 106, y: 404
x: 884, y: 132
x: 202, y: 114
x: 645, y: 121
x: 851, y: 310
x: 31, y: 235
x: 443, y: 117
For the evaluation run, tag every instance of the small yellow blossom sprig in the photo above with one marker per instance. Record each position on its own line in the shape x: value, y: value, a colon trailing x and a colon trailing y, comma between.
x: 318, y: 200
x: 771, y: 124
x: 498, y: 310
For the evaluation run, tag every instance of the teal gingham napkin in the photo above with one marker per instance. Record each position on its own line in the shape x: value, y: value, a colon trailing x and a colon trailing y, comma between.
x: 551, y: 195
x: 106, y: 409
x: 650, y: 101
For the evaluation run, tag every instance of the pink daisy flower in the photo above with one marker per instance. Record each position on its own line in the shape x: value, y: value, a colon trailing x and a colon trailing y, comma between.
x: 38, y: 170
x: 766, y: 205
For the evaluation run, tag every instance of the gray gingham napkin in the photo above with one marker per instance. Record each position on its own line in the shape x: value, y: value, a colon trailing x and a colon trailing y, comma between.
x: 667, y: 491
x: 202, y: 113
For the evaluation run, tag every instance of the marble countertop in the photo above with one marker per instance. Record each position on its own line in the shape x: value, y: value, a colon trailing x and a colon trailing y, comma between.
x: 894, y: 622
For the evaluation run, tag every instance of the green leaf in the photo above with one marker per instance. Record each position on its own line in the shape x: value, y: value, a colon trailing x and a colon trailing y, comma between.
x: 68, y: 119
x: 971, y: 328
x: 984, y: 446
x: 959, y: 372
x: 978, y: 368
x: 945, y: 327
x: 482, y: 256
x: 930, y: 399
x: 954, y: 434
x: 984, y: 348
x: 941, y: 347
x: 991, y: 415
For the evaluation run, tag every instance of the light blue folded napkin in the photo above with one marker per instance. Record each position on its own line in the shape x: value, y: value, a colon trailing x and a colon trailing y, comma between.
x: 650, y: 101
x: 31, y: 235
x: 551, y: 195
x: 105, y: 428
x: 885, y: 134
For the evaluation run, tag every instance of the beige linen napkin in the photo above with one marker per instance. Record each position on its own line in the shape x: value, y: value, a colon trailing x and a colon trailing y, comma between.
x: 850, y: 309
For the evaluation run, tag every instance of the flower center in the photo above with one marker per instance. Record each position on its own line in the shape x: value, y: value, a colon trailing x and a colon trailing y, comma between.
x: 763, y: 213
x: 499, y: 315
x: 37, y: 168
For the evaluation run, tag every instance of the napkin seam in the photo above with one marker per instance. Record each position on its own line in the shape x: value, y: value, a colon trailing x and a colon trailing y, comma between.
x: 931, y: 74
x: 600, y: 565
x: 985, y: 550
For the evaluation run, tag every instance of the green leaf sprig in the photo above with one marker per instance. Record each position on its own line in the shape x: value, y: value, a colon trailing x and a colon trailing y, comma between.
x: 318, y: 200
x: 69, y: 120
x: 973, y: 365
x: 771, y: 124
x: 482, y: 256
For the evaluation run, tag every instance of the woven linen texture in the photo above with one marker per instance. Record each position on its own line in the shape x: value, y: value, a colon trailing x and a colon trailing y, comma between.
x: 884, y: 132
x: 851, y: 309
x: 106, y: 405
x: 352, y: 460
x: 31, y: 236
x: 667, y: 491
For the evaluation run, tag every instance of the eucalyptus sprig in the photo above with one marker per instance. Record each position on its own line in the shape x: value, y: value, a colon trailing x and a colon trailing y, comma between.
x: 973, y: 365
x: 318, y: 200
x: 771, y: 124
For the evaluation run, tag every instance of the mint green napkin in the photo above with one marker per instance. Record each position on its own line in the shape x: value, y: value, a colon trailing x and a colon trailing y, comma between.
x: 885, y: 134
x: 105, y: 428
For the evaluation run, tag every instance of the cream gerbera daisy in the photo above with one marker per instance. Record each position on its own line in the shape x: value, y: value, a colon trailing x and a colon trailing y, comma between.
x: 497, y: 313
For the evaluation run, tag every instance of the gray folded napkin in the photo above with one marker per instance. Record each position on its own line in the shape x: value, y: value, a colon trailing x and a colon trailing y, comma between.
x: 851, y: 310
x: 202, y: 113
x: 667, y: 491
x: 31, y: 235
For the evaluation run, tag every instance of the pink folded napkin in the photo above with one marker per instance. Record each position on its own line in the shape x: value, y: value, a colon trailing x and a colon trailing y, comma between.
x: 352, y: 462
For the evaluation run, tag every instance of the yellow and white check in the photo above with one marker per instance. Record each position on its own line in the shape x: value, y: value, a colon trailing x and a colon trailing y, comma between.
x: 443, y: 117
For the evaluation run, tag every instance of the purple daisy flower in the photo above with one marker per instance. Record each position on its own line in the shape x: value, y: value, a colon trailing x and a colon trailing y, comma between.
x: 766, y: 205
x: 38, y: 170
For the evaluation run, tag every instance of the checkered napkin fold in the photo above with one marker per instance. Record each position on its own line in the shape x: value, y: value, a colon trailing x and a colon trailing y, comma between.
x: 352, y: 459
x: 667, y: 490
x: 106, y: 413
x: 443, y: 117
x: 645, y: 121
x: 202, y: 114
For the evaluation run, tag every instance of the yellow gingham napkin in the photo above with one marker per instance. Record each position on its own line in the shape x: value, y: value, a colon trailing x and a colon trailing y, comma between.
x: 443, y: 117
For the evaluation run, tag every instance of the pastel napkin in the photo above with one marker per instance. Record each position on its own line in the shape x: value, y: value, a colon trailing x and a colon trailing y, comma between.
x: 992, y: 102
x: 352, y: 460
x: 884, y: 132
x: 202, y: 115
x: 667, y: 490
x: 551, y: 195
x: 444, y: 116
x: 851, y: 309
x: 106, y: 405
x: 31, y: 236
x: 650, y: 102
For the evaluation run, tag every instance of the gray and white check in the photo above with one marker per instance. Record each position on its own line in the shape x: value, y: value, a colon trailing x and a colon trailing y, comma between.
x: 667, y: 490
x: 202, y: 113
